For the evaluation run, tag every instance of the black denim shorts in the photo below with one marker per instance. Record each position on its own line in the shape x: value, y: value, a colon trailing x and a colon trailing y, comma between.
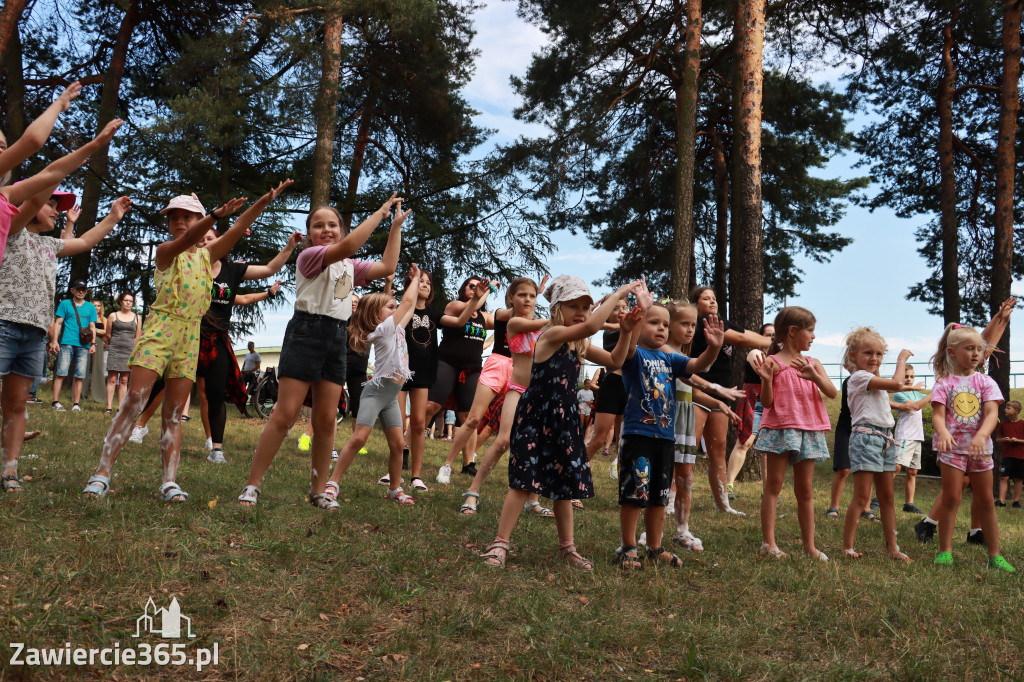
x: 314, y: 348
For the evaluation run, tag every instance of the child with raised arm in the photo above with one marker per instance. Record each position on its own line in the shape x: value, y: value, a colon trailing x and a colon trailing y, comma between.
x: 547, y: 455
x: 647, y: 446
x: 380, y: 320
x: 793, y: 425
x: 25, y: 146
x: 872, y: 447
x: 28, y: 281
x: 169, y: 344
x: 965, y: 408
x: 1010, y: 434
x: 909, y: 435
x: 313, y: 354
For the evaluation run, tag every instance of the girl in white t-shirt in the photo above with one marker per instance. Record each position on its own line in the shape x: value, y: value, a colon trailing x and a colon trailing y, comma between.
x: 314, y: 349
x: 872, y: 448
x: 381, y: 320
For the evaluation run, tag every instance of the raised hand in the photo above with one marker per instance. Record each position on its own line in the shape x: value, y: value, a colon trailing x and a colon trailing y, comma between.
x: 282, y: 186
x: 70, y: 93
x: 625, y: 289
x: 904, y: 356
x: 229, y: 208
x: 108, y: 132
x: 386, y: 207
x: 120, y: 206
x: 804, y: 367
x: 543, y: 283
x: 644, y: 298
x: 631, y: 319
x: 400, y: 215
x: 414, y: 274
x: 768, y: 369
x: 275, y: 287
x: 714, y: 331
x: 295, y: 239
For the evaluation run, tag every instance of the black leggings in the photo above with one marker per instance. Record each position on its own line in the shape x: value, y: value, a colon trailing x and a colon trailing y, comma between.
x: 216, y: 378
x: 355, y: 389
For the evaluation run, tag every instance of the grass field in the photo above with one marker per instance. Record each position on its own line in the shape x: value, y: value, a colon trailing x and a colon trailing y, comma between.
x: 379, y: 591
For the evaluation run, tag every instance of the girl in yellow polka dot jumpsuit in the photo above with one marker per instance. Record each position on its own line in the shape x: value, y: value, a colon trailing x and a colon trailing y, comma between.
x: 169, y: 345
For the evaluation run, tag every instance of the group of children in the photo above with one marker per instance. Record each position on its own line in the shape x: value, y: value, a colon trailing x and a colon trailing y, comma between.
x: 540, y: 421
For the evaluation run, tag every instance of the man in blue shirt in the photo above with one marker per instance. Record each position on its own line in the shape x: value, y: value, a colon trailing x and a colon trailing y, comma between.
x: 74, y: 347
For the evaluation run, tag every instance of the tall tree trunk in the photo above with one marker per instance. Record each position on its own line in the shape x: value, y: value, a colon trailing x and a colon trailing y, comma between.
x: 356, y: 168
x: 721, y: 223
x: 99, y: 162
x: 326, y: 108
x: 947, y: 177
x: 747, y: 267
x: 10, y: 15
x: 15, y: 104
x: 1002, y: 257
x: 686, y: 140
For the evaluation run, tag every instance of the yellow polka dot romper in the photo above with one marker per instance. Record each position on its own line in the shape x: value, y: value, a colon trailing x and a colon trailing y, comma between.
x: 169, y: 344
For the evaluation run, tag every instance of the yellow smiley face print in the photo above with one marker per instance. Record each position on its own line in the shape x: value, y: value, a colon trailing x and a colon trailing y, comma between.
x: 966, y: 404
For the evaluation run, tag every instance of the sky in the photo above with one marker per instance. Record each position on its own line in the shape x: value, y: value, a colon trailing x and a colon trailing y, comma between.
x: 864, y: 284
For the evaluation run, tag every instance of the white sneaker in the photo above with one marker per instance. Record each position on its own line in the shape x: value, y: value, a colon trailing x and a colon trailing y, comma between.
x: 209, y: 444
x: 670, y: 510
x: 613, y: 469
x: 76, y: 408
x: 138, y: 433
x: 57, y: 407
x: 444, y: 474
x: 216, y: 456
x: 334, y: 455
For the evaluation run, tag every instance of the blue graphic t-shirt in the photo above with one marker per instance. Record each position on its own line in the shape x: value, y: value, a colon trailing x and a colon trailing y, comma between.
x: 649, y: 377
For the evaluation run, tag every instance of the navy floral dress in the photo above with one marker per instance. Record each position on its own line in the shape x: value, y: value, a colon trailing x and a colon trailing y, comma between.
x: 547, y: 452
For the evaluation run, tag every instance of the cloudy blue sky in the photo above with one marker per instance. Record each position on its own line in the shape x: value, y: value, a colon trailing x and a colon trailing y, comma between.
x: 865, y: 284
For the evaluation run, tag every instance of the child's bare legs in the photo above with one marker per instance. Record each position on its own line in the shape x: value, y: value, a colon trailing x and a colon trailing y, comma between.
x: 684, y: 496
x: 838, y: 483
x: 1004, y: 483
x: 175, y: 397
x: 886, y: 494
x: 325, y: 422
x: 937, y: 506
x: 500, y: 445
x: 984, y: 510
x: 291, y: 393
x: 862, y: 481
x: 112, y: 384
x: 510, y: 512
x: 909, y: 484
x: 564, y: 521
x: 715, y: 430
x: 775, y: 475
x: 654, y: 524
x: 13, y: 399
x: 417, y: 430
x: 396, y: 443
x: 604, y: 424
x: 737, y: 458
x: 347, y: 454
x: 803, y: 489
x: 629, y: 519
x: 947, y: 504
x: 139, y: 385
x: 465, y: 435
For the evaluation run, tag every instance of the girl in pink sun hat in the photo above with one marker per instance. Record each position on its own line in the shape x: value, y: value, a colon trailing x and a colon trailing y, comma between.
x: 169, y: 344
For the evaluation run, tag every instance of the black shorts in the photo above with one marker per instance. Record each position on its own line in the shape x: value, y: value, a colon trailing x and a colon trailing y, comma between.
x: 841, y: 455
x: 645, y: 470
x: 1012, y: 468
x: 314, y: 348
x: 460, y: 382
x: 611, y: 398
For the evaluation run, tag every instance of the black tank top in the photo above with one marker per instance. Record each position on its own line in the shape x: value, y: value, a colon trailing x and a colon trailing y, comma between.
x: 462, y: 347
x: 500, y: 346
x: 609, y: 339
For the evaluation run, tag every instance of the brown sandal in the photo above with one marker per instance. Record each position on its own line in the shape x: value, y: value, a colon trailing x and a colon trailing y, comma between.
x: 496, y: 554
x: 573, y: 558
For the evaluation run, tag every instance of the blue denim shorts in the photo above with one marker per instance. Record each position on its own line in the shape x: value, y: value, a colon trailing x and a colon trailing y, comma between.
x: 872, y: 449
x: 22, y: 350
x: 72, y: 355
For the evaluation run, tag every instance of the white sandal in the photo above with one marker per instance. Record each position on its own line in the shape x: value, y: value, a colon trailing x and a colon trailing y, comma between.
x: 249, y: 496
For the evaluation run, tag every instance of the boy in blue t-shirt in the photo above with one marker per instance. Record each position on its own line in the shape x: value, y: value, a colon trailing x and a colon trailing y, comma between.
x: 646, y: 457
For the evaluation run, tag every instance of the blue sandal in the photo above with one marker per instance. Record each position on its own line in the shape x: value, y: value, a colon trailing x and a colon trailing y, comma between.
x: 172, y: 492
x: 97, y: 486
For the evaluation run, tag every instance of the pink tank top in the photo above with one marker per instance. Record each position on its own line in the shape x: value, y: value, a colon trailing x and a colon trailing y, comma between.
x: 523, y: 342
x: 797, y: 403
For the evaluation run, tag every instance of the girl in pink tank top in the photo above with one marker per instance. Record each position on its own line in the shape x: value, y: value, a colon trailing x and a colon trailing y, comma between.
x: 794, y: 423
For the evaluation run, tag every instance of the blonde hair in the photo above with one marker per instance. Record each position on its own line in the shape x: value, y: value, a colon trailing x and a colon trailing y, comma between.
x: 558, y: 320
x: 853, y: 341
x: 953, y: 335
x: 675, y: 311
x: 790, y: 316
x: 365, y: 319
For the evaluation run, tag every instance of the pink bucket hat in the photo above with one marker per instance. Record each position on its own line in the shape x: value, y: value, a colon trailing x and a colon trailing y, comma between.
x: 65, y: 200
x: 567, y: 288
x: 185, y: 203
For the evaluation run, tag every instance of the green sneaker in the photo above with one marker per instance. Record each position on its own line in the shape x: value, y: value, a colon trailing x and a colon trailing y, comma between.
x: 1000, y: 564
x: 945, y: 558
x: 730, y: 491
x: 305, y: 442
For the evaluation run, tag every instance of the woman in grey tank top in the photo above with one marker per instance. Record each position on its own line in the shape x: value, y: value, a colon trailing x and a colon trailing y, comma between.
x: 122, y: 332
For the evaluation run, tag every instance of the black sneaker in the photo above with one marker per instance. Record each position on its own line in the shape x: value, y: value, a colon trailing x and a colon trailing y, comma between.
x: 911, y: 508
x: 874, y: 503
x: 1015, y: 505
x: 925, y: 531
x: 33, y: 401
x: 976, y: 538
x: 470, y: 469
x: 1000, y: 503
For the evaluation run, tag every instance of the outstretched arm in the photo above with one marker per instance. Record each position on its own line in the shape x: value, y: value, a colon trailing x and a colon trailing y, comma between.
x: 898, y: 380
x: 221, y: 246
x: 91, y: 238
x: 275, y: 265
x: 468, y: 308
x: 348, y: 246
x: 389, y: 261
x: 168, y: 251
x: 35, y: 135
x: 403, y: 313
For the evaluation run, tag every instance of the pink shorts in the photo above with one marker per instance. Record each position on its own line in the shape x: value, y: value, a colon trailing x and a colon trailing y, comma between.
x: 518, y: 388
x: 496, y: 372
x: 966, y: 463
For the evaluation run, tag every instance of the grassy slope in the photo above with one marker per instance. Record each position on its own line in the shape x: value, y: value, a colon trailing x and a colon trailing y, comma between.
x: 378, y: 590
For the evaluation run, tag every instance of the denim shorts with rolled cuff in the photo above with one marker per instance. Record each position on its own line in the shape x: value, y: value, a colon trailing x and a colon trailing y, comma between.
x: 22, y: 350
x: 76, y: 356
x: 314, y: 348
x: 873, y: 451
